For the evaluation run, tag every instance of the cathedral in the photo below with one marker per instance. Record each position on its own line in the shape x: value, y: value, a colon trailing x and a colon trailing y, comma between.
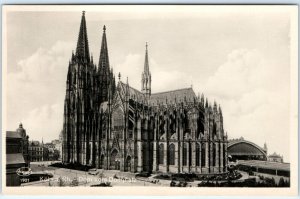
x: 115, y: 126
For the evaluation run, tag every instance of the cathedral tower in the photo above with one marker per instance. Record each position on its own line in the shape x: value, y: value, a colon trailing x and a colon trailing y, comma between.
x: 78, y: 108
x: 146, y: 76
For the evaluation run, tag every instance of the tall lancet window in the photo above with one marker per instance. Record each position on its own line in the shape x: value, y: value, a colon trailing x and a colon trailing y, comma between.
x: 198, y: 154
x: 184, y: 155
x: 118, y: 123
x: 202, y: 154
x: 214, y: 154
x: 171, y: 155
x: 161, y: 154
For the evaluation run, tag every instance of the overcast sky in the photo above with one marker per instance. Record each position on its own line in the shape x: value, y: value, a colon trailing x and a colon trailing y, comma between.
x: 239, y: 57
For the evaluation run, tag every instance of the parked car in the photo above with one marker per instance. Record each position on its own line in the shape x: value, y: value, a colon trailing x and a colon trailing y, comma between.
x: 24, y: 171
x: 93, y: 171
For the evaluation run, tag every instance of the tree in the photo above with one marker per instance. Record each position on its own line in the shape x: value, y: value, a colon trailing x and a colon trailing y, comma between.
x: 61, y: 182
x: 101, y: 175
x: 287, y: 183
x: 281, y: 182
x: 75, y: 182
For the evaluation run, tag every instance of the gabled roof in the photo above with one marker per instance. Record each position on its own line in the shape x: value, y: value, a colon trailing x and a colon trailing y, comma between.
x: 170, y: 97
x: 13, y: 134
x: 179, y: 95
x: 133, y: 93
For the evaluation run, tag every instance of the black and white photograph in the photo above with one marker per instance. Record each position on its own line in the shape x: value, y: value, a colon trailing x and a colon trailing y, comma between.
x: 150, y: 99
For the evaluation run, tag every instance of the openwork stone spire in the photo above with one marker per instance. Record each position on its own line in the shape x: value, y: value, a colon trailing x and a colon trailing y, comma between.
x: 104, y: 71
x: 146, y: 64
x: 146, y: 76
x: 82, y: 49
x: 103, y: 60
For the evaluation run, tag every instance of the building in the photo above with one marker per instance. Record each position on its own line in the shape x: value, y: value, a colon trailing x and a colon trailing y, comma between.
x: 38, y: 152
x: 16, y: 154
x: 58, y: 145
x: 275, y: 157
x: 53, y: 152
x: 122, y: 128
x: 241, y: 149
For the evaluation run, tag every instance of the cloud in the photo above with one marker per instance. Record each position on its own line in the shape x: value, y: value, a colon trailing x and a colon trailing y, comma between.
x: 162, y: 80
x: 131, y: 66
x: 44, y: 122
x: 38, y: 83
x: 254, y: 94
x: 255, y: 104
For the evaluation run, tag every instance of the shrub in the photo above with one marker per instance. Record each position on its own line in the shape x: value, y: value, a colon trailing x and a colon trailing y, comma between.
x: 75, y: 182
x: 172, y: 183
x: 144, y: 174
x: 61, y: 182
x: 102, y: 184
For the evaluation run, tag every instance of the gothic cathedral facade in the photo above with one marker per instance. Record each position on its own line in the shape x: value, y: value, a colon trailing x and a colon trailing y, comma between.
x: 118, y: 127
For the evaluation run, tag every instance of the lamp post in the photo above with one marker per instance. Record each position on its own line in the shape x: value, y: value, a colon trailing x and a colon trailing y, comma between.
x: 189, y: 156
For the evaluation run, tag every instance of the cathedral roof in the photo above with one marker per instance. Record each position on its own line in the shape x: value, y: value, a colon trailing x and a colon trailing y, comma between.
x: 179, y: 95
x: 170, y: 97
x: 133, y: 93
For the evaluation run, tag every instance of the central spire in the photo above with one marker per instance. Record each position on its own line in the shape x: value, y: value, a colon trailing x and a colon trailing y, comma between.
x: 146, y: 76
x: 103, y: 60
x: 82, y: 49
x: 146, y: 64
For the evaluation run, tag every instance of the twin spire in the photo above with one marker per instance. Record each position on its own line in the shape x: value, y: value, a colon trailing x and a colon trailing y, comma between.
x: 83, y: 54
x: 82, y: 49
x: 103, y: 60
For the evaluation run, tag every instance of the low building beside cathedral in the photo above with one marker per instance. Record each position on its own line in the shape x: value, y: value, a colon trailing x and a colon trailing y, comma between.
x: 118, y: 127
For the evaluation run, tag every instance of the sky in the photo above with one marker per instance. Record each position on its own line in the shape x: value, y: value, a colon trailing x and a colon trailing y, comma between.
x: 238, y: 56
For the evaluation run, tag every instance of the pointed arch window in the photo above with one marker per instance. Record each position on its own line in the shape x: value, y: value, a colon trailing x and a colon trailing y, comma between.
x: 171, y: 155
x: 161, y: 154
x: 118, y: 122
x: 103, y: 132
x: 214, y: 129
x: 224, y: 156
x: 214, y: 154
x: 197, y: 154
x: 203, y: 155
x: 184, y: 155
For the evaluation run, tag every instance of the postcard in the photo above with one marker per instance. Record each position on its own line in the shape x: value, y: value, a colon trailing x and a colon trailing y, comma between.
x: 150, y: 99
